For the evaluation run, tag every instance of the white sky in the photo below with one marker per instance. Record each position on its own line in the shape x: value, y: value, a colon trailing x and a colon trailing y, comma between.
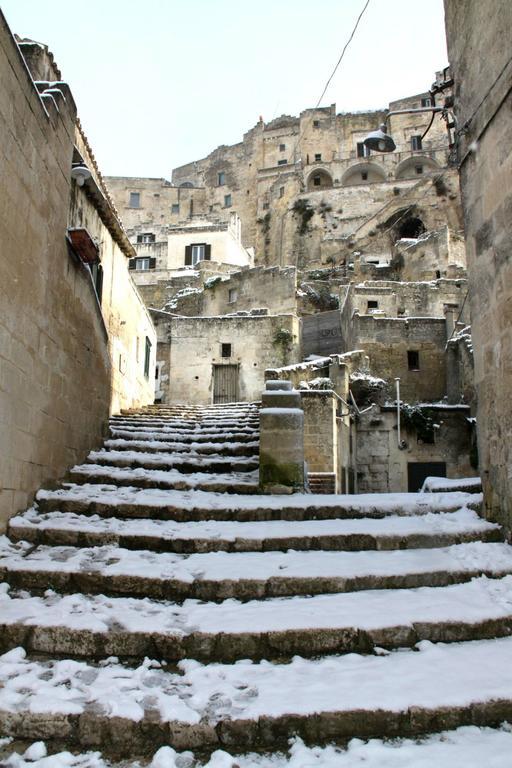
x: 159, y: 83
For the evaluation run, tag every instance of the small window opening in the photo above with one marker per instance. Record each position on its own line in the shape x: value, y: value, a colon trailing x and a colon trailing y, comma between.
x: 225, y: 350
x: 317, y: 181
x: 415, y: 143
x: 282, y: 147
x: 175, y: 208
x: 134, y: 200
x: 426, y: 102
x: 413, y: 360
x: 362, y: 149
x: 372, y: 304
x: 282, y: 162
x: 318, y: 157
x: 316, y: 123
x: 232, y: 296
x: 221, y: 178
x: 146, y: 237
x: 419, y: 169
x: 438, y: 274
x: 281, y: 191
x: 227, y: 201
x: 364, y: 175
x: 143, y: 264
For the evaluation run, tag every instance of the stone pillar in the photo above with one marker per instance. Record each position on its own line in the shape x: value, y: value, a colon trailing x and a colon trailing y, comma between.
x: 281, y: 439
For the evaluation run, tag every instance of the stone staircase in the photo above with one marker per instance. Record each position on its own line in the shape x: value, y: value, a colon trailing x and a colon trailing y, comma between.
x: 157, y: 602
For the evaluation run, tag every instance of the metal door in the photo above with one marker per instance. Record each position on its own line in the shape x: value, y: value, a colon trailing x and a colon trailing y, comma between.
x: 418, y: 471
x: 225, y: 383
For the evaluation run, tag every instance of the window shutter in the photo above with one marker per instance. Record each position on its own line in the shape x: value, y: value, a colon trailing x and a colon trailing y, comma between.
x: 152, y: 263
x: 207, y: 252
x: 132, y: 263
x: 188, y: 255
x: 99, y: 282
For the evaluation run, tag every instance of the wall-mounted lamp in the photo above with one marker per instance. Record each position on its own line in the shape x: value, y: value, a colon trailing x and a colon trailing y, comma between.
x: 380, y: 141
x: 80, y: 173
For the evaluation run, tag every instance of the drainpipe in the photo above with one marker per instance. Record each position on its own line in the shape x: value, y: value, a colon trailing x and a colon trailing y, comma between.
x: 398, y: 412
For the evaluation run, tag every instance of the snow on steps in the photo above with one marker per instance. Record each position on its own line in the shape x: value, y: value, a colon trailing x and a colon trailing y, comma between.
x: 95, y: 626
x: 392, y: 532
x: 110, y: 500
x: 205, y: 448
x: 164, y: 460
x: 256, y: 705
x: 469, y: 746
x: 245, y: 575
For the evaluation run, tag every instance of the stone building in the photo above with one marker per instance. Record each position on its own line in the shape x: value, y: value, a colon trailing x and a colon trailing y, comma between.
x: 65, y: 354
x: 478, y: 38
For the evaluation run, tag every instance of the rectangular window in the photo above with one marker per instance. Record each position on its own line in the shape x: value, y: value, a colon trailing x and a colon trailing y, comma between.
x: 316, y: 123
x: 227, y: 201
x: 364, y: 175
x: 362, y: 149
x: 198, y: 253
x: 317, y: 181
x: 372, y: 304
x: 134, y: 200
x: 146, y: 237
x: 147, y: 358
x: 419, y: 170
x: 225, y: 350
x: 143, y: 264
x: 175, y: 208
x: 282, y: 147
x: 318, y: 157
x: 415, y: 143
x: 413, y: 360
x: 282, y: 162
x: 426, y: 102
x: 232, y: 295
x: 221, y: 178
x: 281, y: 191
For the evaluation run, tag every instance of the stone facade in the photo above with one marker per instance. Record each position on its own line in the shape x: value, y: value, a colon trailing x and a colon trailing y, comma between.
x: 197, y: 352
x: 479, y: 51
x: 54, y: 362
x: 63, y: 351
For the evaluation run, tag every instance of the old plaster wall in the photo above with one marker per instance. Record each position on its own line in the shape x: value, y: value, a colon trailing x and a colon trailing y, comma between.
x: 54, y: 363
x: 256, y: 344
x: 224, y: 240
x: 478, y: 37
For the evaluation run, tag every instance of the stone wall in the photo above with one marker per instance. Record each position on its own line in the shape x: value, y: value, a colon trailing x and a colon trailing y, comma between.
x: 425, y: 299
x: 478, y: 37
x: 196, y: 344
x: 271, y: 288
x: 54, y: 362
x: 321, y: 433
x: 387, y: 342
x: 383, y: 467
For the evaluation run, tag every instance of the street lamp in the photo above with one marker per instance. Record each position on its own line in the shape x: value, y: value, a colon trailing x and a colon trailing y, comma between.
x: 380, y: 141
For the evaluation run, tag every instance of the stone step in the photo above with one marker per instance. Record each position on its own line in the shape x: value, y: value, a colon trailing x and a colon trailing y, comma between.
x: 194, y: 449
x: 465, y: 746
x: 183, y: 506
x: 202, y: 424
x: 94, y: 627
x: 173, y: 479
x: 218, y: 576
x: 322, y: 482
x: 248, y: 436
x: 392, y: 532
x: 186, y: 463
x: 255, y: 705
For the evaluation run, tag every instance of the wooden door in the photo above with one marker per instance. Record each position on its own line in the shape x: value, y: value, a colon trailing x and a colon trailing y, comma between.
x: 225, y: 383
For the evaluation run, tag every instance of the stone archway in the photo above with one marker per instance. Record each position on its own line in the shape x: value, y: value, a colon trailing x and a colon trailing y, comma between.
x: 319, y: 179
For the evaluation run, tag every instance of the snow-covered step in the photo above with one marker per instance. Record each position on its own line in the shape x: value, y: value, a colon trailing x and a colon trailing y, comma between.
x: 184, y: 463
x: 255, y: 705
x: 217, y: 424
x: 468, y: 746
x: 393, y: 532
x: 233, y: 482
x: 221, y: 575
x: 191, y: 438
x: 110, y: 500
x: 194, y: 448
x: 94, y: 626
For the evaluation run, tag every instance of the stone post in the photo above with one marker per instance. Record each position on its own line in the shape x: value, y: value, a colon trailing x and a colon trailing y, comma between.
x: 281, y: 439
